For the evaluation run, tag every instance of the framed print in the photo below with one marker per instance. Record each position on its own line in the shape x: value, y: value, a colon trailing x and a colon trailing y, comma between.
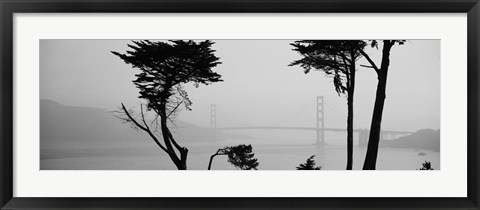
x: 210, y: 104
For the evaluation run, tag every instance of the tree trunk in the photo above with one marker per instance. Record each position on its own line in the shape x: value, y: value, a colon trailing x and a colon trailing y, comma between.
x: 210, y: 162
x: 350, y: 131
x: 350, y: 91
x: 180, y: 163
x: 375, y: 127
x: 211, y: 159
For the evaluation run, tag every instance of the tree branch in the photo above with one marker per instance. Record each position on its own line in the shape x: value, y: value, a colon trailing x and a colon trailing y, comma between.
x: 345, y: 64
x: 175, y: 108
x: 184, y: 77
x: 144, y: 128
x: 366, y: 66
x: 344, y: 57
x: 212, y: 156
x: 370, y: 61
x: 155, y: 120
x: 143, y: 117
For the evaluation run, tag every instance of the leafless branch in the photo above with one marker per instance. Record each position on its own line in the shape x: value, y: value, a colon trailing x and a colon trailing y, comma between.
x: 143, y: 128
x: 176, y: 107
x: 370, y: 61
x: 366, y: 66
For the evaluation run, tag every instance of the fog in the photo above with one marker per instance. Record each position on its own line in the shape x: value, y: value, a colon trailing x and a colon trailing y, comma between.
x: 259, y: 89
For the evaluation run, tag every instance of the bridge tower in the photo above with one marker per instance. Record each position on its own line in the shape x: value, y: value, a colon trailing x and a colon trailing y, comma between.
x: 320, y: 121
x: 213, y: 116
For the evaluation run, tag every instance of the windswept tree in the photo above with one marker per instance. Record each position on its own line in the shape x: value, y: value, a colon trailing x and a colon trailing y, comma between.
x: 375, y: 127
x: 164, y: 69
x: 337, y: 59
x: 240, y: 156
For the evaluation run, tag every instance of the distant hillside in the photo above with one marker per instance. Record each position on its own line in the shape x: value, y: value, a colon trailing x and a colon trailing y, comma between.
x: 423, y: 139
x: 64, y: 126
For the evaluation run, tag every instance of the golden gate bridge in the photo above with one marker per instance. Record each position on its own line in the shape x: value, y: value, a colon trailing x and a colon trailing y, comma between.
x: 319, y: 127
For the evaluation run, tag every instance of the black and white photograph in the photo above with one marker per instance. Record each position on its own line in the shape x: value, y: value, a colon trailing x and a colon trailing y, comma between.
x: 240, y: 104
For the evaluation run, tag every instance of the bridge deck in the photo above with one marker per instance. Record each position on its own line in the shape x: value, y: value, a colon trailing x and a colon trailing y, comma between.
x: 304, y: 128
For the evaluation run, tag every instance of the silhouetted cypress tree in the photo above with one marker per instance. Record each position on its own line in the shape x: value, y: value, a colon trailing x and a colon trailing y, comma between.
x: 241, y: 156
x: 164, y: 68
x: 336, y: 58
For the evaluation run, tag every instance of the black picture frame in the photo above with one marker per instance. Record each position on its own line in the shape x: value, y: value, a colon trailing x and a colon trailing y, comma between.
x: 9, y: 7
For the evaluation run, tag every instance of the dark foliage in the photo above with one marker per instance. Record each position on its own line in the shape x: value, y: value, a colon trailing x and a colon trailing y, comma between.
x: 333, y: 57
x: 309, y: 165
x: 241, y: 156
x: 164, y: 68
x: 426, y: 166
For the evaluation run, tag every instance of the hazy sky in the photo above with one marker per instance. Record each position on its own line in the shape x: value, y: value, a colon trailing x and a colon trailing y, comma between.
x: 259, y: 87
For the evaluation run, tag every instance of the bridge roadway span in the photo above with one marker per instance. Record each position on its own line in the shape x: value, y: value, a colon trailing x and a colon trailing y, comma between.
x: 304, y: 128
